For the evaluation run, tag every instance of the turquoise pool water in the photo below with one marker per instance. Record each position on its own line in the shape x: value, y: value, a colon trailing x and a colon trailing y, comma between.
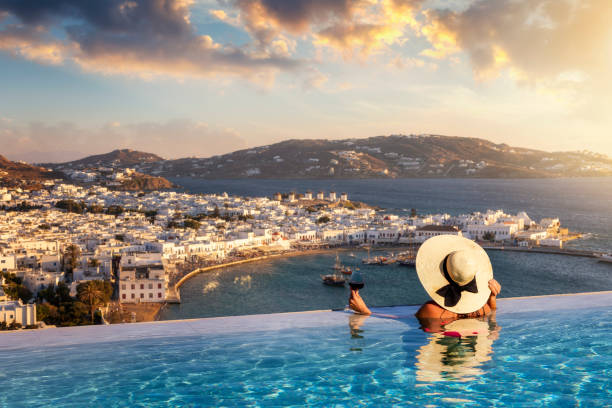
x: 548, y: 351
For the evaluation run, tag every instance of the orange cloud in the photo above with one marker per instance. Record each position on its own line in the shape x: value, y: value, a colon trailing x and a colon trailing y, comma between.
x: 535, y: 39
x: 344, y: 25
x: 31, y: 44
x: 136, y: 37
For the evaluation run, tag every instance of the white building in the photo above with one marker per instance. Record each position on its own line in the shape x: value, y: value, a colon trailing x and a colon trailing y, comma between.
x: 7, y: 263
x: 144, y: 283
x: 500, y: 231
x: 13, y: 311
x: 424, y: 233
x: 37, y: 280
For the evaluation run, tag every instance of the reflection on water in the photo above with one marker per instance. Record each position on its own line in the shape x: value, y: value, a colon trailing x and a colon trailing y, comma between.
x: 456, y: 350
x: 355, y: 323
x: 244, y: 281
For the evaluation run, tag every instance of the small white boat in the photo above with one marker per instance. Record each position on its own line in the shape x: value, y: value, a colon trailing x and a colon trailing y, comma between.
x: 604, y: 257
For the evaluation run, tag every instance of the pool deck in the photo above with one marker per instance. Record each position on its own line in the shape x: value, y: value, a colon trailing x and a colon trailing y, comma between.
x: 41, y: 339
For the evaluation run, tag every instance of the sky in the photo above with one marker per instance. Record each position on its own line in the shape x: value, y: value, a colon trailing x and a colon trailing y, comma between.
x: 184, y: 78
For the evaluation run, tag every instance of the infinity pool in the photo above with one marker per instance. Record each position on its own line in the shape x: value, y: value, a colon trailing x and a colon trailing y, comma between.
x: 545, y: 351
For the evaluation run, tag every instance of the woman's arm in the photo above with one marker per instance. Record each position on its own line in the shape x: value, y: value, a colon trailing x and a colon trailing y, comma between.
x: 357, y: 304
x: 495, y: 288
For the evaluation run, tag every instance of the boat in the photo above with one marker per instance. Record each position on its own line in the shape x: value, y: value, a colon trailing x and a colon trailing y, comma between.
x: 407, y: 261
x: 407, y: 258
x: 346, y: 270
x: 333, y: 280
x: 369, y: 260
x: 387, y: 260
x: 343, y: 269
x: 604, y: 257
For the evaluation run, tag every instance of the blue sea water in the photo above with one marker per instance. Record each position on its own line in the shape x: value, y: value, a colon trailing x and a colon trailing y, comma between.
x: 294, y: 284
x: 537, y: 358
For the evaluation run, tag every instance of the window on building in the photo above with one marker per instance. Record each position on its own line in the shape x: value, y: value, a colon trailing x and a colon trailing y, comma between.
x: 159, y: 295
x: 123, y: 296
x: 142, y: 295
x: 159, y: 286
x: 142, y: 286
x: 123, y: 287
x: 150, y: 286
x: 133, y: 286
x: 150, y: 294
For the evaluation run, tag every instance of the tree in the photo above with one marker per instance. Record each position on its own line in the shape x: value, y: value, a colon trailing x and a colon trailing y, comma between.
x: 151, y: 214
x: 191, y: 224
x: 70, y: 206
x: 323, y: 219
x: 95, y: 209
x: 488, y: 236
x: 18, y: 291
x: 71, y: 257
x: 172, y: 224
x: 114, y: 210
x: 94, y: 294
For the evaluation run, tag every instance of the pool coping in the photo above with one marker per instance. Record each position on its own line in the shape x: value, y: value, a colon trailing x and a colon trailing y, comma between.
x: 234, y: 325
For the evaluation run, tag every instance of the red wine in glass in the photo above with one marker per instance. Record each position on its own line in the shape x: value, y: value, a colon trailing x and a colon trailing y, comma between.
x: 356, y: 281
x: 356, y: 285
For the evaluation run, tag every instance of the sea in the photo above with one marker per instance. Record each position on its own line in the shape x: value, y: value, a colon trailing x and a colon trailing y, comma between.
x: 294, y: 284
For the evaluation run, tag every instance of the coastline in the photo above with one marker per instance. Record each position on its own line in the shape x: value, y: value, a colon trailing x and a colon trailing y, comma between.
x: 145, y: 315
x: 291, y: 254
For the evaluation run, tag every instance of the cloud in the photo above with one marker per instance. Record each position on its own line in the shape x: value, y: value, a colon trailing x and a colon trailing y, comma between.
x: 537, y: 39
x: 349, y: 26
x: 30, y: 43
x: 43, y: 142
x: 136, y: 37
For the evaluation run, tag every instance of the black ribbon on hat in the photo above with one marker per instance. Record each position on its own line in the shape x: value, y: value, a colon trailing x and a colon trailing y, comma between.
x: 452, y: 292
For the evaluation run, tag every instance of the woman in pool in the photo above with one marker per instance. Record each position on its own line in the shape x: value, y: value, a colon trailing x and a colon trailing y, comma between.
x: 457, y: 274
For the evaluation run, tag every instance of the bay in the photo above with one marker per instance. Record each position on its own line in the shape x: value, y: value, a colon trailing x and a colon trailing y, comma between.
x: 294, y: 284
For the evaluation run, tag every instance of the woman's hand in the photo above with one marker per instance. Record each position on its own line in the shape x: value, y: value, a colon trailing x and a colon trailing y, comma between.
x: 495, y: 287
x: 357, y: 304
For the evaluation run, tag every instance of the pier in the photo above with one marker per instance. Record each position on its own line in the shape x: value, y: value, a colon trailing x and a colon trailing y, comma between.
x: 543, y: 250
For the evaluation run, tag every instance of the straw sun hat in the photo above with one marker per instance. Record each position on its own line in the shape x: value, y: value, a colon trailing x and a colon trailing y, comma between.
x: 455, y: 272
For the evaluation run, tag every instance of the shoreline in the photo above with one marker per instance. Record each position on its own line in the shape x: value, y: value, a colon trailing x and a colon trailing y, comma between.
x: 402, y: 247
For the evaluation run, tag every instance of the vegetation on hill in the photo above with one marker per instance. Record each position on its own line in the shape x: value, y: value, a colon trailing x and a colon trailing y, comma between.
x: 374, y: 157
x: 384, y: 157
x: 117, y: 158
x: 25, y: 175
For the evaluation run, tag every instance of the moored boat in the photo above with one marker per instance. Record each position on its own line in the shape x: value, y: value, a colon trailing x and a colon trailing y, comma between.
x: 333, y: 280
x: 604, y: 257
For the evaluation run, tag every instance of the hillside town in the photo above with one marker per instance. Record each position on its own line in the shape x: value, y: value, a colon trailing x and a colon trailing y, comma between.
x: 56, y: 241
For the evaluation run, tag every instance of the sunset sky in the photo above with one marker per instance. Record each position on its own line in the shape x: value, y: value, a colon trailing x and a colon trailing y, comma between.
x: 198, y: 78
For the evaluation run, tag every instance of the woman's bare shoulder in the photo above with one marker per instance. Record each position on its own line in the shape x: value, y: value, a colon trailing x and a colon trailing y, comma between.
x: 429, y: 310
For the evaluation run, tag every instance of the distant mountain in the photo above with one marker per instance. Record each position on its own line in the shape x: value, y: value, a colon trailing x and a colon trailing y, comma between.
x: 374, y: 157
x: 19, y: 173
x: 386, y: 156
x: 120, y: 158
